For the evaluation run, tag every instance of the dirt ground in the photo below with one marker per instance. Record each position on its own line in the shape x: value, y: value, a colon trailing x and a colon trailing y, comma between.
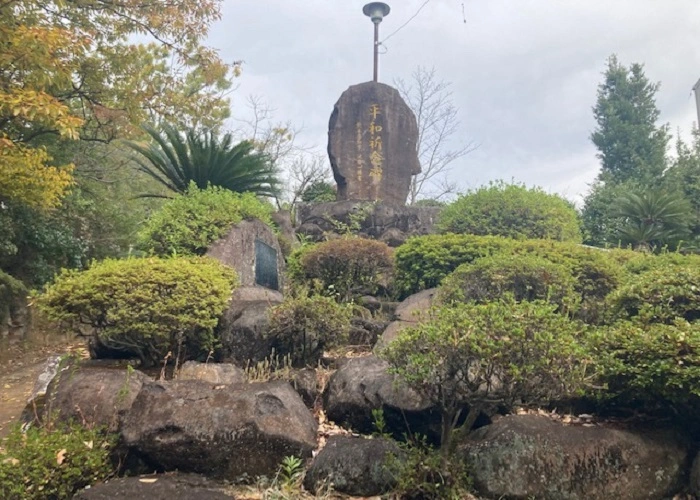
x: 21, y: 362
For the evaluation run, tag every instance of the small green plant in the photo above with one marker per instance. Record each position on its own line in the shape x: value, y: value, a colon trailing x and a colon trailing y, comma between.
x: 145, y: 308
x: 271, y: 368
x: 424, y: 472
x: 303, y: 327
x: 45, y: 464
x: 189, y: 223
x: 348, y: 266
x: 291, y: 472
x: 355, y: 218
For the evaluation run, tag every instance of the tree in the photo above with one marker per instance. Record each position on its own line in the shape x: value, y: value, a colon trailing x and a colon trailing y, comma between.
x: 684, y: 176
x: 488, y: 354
x: 653, y: 219
x: 431, y: 102
x: 630, y: 143
x: 74, y: 69
x: 204, y: 159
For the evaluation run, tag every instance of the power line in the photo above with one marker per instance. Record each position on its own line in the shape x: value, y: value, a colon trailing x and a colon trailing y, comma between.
x: 407, y: 22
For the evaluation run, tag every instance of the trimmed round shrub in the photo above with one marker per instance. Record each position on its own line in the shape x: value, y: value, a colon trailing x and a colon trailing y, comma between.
x: 424, y: 261
x: 304, y: 327
x: 649, y: 362
x: 146, y: 307
x: 513, y: 211
x: 188, y: 224
x: 660, y: 295
x: 43, y: 463
x: 525, y: 277
x: 348, y: 266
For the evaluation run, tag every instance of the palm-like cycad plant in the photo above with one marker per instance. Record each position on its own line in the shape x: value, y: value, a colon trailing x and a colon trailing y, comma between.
x: 653, y: 219
x: 203, y: 158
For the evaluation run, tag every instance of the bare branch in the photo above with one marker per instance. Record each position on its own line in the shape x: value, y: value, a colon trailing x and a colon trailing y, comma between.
x: 431, y: 102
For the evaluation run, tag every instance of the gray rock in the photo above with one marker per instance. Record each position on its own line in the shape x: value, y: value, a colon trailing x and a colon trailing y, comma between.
x: 91, y: 396
x: 528, y: 456
x: 354, y: 466
x: 372, y: 144
x: 238, y: 250
x: 214, y: 373
x: 364, y: 332
x: 416, y: 306
x: 391, y: 333
x: 37, y: 398
x: 393, y: 237
x: 305, y: 383
x: 223, y: 431
x: 363, y: 384
x: 156, y: 487
x: 243, y: 328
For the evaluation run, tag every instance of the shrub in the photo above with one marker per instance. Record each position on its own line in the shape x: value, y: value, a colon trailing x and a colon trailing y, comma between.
x: 424, y: 261
x: 188, y: 224
x: 144, y: 307
x: 349, y: 266
x: 525, y: 277
x: 42, y: 463
x: 513, y: 211
x: 660, y: 295
x: 302, y: 328
x: 650, y: 361
x: 481, y: 354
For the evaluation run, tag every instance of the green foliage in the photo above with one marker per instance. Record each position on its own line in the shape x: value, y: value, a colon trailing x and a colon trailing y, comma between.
x: 631, y: 146
x: 42, y: 463
x: 661, y: 294
x: 303, y: 327
x: 319, y: 192
x: 600, y: 224
x: 423, y: 472
x: 650, y: 362
x: 424, y: 261
x: 144, y: 307
x: 348, y: 266
x: 652, y: 219
x: 205, y: 160
x: 188, y: 224
x: 525, y: 277
x: 480, y: 354
x: 513, y: 211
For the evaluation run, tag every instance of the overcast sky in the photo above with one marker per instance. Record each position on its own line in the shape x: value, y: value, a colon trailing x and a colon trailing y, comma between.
x: 524, y: 72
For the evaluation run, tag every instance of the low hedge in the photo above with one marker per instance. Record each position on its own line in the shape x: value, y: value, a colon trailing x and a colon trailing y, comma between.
x: 525, y: 277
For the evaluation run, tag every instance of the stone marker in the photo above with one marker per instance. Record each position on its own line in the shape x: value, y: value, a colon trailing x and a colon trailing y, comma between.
x: 372, y: 144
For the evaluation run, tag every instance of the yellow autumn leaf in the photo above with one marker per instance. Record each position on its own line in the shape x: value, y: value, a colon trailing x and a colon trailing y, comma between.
x: 148, y: 480
x: 61, y: 456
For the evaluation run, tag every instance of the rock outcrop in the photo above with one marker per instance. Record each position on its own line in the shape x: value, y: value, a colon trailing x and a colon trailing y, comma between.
x: 223, y: 431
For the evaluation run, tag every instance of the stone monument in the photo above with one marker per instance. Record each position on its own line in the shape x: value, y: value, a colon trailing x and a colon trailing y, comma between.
x: 372, y: 144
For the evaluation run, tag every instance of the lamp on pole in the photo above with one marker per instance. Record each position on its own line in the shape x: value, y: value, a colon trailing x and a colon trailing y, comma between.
x: 376, y: 11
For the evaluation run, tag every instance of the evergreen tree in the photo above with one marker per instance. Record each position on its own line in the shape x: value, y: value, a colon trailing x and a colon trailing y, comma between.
x: 630, y: 143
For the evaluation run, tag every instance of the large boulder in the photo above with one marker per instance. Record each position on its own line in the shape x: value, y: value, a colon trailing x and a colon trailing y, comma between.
x: 156, y: 487
x: 354, y: 466
x: 364, y: 384
x: 91, y: 396
x: 243, y: 327
x: 529, y: 456
x: 214, y: 373
x: 37, y: 398
x: 408, y: 313
x: 219, y: 430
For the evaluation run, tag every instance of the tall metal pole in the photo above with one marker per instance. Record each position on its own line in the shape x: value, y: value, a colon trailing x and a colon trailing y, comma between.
x: 376, y: 51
